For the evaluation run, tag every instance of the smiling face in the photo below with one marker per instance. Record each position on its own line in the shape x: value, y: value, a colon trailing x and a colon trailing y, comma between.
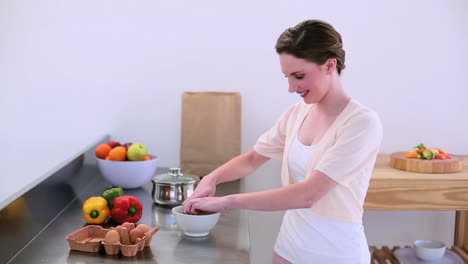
x: 310, y: 80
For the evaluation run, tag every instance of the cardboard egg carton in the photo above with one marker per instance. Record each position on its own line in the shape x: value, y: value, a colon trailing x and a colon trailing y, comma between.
x: 91, y: 239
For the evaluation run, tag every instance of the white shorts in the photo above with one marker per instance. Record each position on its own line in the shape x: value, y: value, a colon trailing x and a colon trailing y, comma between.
x: 307, y: 237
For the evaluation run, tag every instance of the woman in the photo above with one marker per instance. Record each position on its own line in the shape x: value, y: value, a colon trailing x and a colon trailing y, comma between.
x: 328, y: 144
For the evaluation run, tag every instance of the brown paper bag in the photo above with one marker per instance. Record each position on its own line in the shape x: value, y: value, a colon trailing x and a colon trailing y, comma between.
x: 211, y: 130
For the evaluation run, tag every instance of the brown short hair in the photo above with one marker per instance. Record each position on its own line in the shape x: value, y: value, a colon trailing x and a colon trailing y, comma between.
x: 313, y: 40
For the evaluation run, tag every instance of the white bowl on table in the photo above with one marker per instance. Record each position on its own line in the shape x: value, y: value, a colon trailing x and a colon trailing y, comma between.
x: 195, y: 225
x: 128, y: 174
x: 429, y: 249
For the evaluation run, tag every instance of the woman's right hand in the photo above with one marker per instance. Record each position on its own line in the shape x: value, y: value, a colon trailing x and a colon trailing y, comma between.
x: 206, y: 188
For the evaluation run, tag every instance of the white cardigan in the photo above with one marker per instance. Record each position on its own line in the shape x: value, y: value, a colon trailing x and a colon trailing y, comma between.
x: 346, y: 153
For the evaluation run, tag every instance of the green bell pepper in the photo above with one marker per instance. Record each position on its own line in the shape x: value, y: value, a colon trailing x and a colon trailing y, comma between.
x: 111, y: 194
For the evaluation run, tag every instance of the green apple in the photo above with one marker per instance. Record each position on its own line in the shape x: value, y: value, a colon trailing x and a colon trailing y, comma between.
x: 136, y: 152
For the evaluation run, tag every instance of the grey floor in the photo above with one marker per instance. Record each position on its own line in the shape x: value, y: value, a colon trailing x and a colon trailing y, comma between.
x: 390, y: 228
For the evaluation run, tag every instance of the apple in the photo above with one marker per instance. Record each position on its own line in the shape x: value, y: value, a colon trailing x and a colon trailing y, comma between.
x: 127, y: 145
x: 137, y: 152
x: 113, y: 144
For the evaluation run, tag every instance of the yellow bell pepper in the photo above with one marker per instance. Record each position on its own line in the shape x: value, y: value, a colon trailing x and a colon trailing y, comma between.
x: 95, y: 210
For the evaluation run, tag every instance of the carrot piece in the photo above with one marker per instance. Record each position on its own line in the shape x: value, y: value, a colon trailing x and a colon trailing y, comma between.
x: 411, y: 154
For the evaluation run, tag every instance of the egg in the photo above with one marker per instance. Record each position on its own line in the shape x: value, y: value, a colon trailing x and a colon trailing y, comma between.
x: 134, y: 234
x: 143, y: 227
x: 112, y: 237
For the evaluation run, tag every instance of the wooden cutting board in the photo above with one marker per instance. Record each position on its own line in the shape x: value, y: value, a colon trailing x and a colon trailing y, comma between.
x: 399, y: 161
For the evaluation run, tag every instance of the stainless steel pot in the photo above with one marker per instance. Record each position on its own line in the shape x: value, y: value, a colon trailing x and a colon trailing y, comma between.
x: 173, y: 188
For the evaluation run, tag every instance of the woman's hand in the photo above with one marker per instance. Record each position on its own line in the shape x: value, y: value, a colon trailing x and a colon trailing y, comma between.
x: 208, y: 204
x: 206, y: 188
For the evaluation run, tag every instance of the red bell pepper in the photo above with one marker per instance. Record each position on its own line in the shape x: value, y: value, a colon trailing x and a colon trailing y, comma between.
x: 126, y: 209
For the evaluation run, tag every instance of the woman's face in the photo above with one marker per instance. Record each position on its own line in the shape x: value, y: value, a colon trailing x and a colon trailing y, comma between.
x: 309, y: 80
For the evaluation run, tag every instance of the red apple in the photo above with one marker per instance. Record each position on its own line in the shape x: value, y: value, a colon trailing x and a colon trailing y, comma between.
x: 127, y: 145
x: 113, y: 144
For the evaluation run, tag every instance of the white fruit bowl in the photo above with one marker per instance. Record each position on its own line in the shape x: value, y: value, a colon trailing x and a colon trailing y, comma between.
x: 128, y: 174
x: 195, y: 225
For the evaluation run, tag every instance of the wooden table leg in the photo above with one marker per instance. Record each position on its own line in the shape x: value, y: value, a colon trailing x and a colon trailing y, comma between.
x: 461, y: 229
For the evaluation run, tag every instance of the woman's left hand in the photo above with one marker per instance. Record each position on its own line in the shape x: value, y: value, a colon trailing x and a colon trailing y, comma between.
x: 208, y: 204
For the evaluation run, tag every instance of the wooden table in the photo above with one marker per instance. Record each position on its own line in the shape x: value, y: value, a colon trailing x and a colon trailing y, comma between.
x: 392, y: 189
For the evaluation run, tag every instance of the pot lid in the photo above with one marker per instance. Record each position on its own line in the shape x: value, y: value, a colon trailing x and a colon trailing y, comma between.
x: 175, y: 176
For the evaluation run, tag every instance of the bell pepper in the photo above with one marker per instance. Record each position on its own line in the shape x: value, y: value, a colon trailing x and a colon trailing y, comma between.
x: 111, y: 194
x: 95, y: 210
x: 126, y: 209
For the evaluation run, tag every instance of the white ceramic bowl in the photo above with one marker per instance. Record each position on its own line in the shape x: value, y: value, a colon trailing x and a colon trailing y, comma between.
x: 429, y: 249
x: 195, y: 225
x: 128, y: 174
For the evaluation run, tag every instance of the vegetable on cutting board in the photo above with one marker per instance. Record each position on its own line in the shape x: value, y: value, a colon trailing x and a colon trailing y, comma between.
x: 411, y: 154
x: 428, y: 155
x: 421, y: 152
x: 95, y: 210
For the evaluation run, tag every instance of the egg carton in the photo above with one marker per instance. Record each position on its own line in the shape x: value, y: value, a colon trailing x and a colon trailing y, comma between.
x: 91, y: 239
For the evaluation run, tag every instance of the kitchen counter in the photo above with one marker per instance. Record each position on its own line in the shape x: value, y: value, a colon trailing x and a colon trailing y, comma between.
x: 228, y: 241
x: 31, y: 237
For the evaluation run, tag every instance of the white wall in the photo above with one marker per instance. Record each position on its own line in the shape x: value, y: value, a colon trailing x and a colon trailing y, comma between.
x: 71, y: 71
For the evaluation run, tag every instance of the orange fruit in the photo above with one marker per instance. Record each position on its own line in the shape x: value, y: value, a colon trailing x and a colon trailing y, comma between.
x: 147, y: 158
x: 102, y: 151
x: 107, y: 158
x: 118, y: 154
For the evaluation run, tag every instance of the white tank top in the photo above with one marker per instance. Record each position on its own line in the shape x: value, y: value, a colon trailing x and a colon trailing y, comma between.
x: 308, y: 237
x: 298, y: 157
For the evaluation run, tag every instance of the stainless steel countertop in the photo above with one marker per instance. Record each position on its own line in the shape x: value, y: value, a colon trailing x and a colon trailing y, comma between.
x: 228, y: 242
